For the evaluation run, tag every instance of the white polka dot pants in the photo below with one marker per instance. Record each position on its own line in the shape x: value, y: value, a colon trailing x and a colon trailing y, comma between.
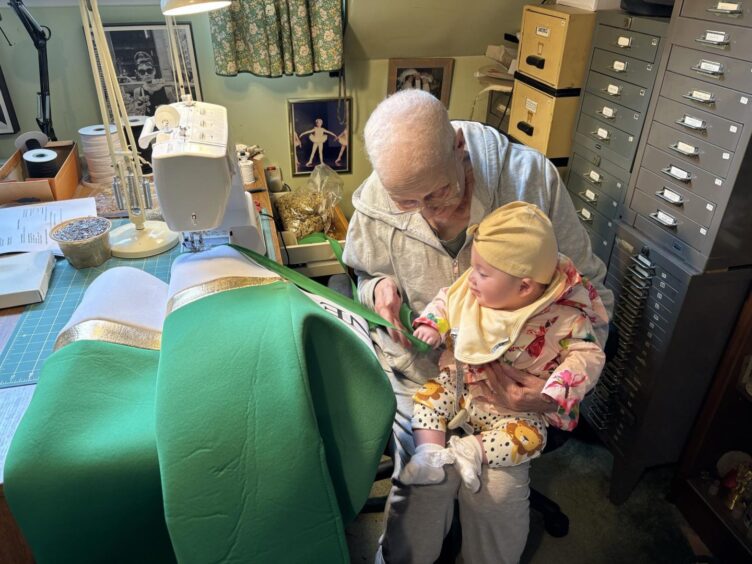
x: 508, y: 439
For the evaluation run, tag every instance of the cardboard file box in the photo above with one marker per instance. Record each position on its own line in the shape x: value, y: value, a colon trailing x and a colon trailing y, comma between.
x: 315, y: 259
x: 16, y: 187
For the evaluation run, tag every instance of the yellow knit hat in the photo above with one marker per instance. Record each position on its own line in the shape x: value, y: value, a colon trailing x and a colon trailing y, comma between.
x: 518, y: 239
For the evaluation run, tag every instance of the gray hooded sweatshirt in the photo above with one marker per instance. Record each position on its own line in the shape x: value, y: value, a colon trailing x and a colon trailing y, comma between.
x: 404, y: 247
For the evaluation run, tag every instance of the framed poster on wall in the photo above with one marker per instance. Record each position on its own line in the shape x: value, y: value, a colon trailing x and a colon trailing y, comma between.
x: 320, y: 133
x: 146, y: 73
x: 8, y: 121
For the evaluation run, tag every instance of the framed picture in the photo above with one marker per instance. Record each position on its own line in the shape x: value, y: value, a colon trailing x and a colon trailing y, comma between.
x: 320, y: 133
x: 141, y: 57
x: 431, y: 75
x: 8, y: 121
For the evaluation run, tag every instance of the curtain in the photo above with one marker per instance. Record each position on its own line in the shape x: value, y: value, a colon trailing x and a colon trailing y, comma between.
x: 277, y: 37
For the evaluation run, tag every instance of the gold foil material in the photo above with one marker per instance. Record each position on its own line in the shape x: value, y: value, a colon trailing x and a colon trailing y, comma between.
x: 110, y: 332
x: 190, y: 295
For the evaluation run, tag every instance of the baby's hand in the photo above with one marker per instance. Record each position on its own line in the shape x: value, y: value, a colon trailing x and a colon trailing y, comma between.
x: 428, y: 335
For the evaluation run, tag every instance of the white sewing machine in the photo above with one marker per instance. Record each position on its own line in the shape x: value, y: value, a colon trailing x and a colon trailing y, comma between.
x: 197, y: 180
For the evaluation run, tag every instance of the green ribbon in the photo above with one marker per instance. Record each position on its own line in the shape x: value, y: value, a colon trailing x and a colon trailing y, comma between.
x: 305, y: 283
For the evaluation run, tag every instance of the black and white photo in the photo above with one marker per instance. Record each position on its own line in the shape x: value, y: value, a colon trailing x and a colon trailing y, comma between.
x: 141, y: 56
x: 8, y: 121
x: 431, y: 75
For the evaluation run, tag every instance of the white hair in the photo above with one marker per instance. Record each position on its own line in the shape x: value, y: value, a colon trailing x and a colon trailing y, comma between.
x: 411, y: 122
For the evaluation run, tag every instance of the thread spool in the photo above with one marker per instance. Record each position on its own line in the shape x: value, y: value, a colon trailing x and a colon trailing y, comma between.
x: 246, y: 170
x: 137, y: 124
x: 41, y: 163
x: 97, y: 153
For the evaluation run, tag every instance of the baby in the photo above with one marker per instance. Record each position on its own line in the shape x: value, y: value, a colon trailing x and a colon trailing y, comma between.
x: 520, y: 303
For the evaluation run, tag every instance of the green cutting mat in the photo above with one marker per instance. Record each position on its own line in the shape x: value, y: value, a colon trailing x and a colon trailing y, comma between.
x: 32, y: 340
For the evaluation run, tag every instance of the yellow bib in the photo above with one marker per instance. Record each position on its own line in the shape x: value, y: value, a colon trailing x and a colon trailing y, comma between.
x: 485, y: 334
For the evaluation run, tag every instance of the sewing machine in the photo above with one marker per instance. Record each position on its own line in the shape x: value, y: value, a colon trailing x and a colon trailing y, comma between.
x: 197, y: 180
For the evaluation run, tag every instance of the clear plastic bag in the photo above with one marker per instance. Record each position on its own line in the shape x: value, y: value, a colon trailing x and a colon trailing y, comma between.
x: 308, y: 209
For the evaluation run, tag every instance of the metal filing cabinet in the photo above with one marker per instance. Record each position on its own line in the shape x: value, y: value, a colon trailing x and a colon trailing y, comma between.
x: 622, y: 70
x: 673, y: 324
x: 682, y: 262
x: 553, y: 54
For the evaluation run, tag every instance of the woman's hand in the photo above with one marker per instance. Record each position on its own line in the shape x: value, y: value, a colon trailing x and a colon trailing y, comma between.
x: 428, y: 335
x: 387, y: 303
x: 510, y: 389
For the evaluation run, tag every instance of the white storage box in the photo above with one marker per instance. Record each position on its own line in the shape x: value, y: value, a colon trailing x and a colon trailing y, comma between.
x: 592, y: 5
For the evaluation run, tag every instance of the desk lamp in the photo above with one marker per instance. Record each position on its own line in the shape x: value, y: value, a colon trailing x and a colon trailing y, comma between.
x: 139, y: 238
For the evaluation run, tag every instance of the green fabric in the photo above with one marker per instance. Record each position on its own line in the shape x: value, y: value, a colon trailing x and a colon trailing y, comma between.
x: 276, y: 37
x: 314, y: 287
x: 81, y: 477
x: 271, y: 420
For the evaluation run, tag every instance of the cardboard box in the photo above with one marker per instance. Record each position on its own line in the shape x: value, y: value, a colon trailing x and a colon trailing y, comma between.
x: 16, y: 187
x: 315, y: 259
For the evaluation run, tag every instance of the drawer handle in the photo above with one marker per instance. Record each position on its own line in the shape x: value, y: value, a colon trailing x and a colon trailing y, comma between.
x: 677, y: 173
x: 665, y: 219
x: 612, y: 90
x: 670, y: 196
x: 601, y: 134
x: 607, y: 112
x: 535, y: 61
x: 692, y: 123
x: 684, y: 149
x: 726, y: 9
x: 593, y: 178
x: 643, y: 262
x: 619, y: 66
x: 700, y: 96
x: 709, y: 68
x: 589, y: 196
x: 714, y: 39
x: 585, y: 216
x: 624, y: 42
x: 525, y: 127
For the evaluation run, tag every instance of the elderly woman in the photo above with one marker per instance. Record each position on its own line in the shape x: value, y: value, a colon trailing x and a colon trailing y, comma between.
x: 433, y: 178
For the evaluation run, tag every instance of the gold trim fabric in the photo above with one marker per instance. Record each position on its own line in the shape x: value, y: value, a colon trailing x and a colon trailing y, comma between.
x: 110, y: 332
x: 190, y: 295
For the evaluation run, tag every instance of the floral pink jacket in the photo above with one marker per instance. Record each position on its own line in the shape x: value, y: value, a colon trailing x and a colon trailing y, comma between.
x: 557, y: 344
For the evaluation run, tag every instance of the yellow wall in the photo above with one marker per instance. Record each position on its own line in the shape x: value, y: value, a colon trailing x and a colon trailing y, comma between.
x: 257, y: 107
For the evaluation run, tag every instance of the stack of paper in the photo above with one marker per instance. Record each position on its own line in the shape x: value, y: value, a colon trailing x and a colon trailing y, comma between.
x: 24, y: 278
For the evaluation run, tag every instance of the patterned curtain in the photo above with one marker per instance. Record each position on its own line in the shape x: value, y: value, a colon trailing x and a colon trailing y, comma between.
x: 276, y: 37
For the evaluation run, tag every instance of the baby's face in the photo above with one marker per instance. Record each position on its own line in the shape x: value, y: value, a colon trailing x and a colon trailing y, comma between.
x: 496, y: 289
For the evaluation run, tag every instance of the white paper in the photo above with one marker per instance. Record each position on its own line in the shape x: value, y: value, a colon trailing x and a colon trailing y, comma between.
x: 730, y: 6
x: 671, y: 196
x: 679, y: 173
x: 693, y: 121
x: 619, y: 66
x: 613, y: 89
x: 700, y: 95
x: 531, y: 105
x: 624, y: 41
x: 685, y: 148
x: 590, y: 195
x: 585, y: 213
x: 716, y: 36
x: 26, y: 228
x: 594, y: 176
x: 710, y: 66
x: 542, y: 31
x: 608, y: 112
x: 602, y: 133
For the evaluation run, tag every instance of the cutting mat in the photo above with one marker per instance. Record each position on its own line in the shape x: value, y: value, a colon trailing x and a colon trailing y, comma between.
x: 32, y: 340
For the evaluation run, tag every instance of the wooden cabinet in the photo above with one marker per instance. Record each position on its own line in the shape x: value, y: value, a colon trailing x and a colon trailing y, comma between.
x: 724, y: 424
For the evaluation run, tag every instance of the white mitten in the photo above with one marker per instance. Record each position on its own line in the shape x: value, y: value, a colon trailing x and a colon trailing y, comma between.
x: 427, y: 465
x: 468, y: 460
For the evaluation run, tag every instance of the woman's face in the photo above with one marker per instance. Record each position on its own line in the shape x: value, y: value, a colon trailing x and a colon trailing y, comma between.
x: 145, y: 72
x: 436, y: 196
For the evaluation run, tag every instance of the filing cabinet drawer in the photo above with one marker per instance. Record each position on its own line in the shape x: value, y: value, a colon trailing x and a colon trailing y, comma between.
x: 620, y: 91
x: 623, y: 67
x: 581, y: 191
x: 714, y: 37
x: 602, y: 149
x: 670, y: 168
x: 690, y: 149
x: 674, y: 197
x: 542, y: 121
x: 613, y: 114
x: 712, y: 68
x: 669, y: 221
x: 615, y: 139
x: 594, y: 220
x: 651, y: 26
x: 703, y: 125
x: 554, y: 45
x: 598, y: 176
x: 710, y: 98
x: 601, y: 245
x: 734, y: 13
x: 627, y: 42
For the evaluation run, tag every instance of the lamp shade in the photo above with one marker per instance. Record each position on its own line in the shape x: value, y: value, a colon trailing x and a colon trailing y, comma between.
x: 184, y: 7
